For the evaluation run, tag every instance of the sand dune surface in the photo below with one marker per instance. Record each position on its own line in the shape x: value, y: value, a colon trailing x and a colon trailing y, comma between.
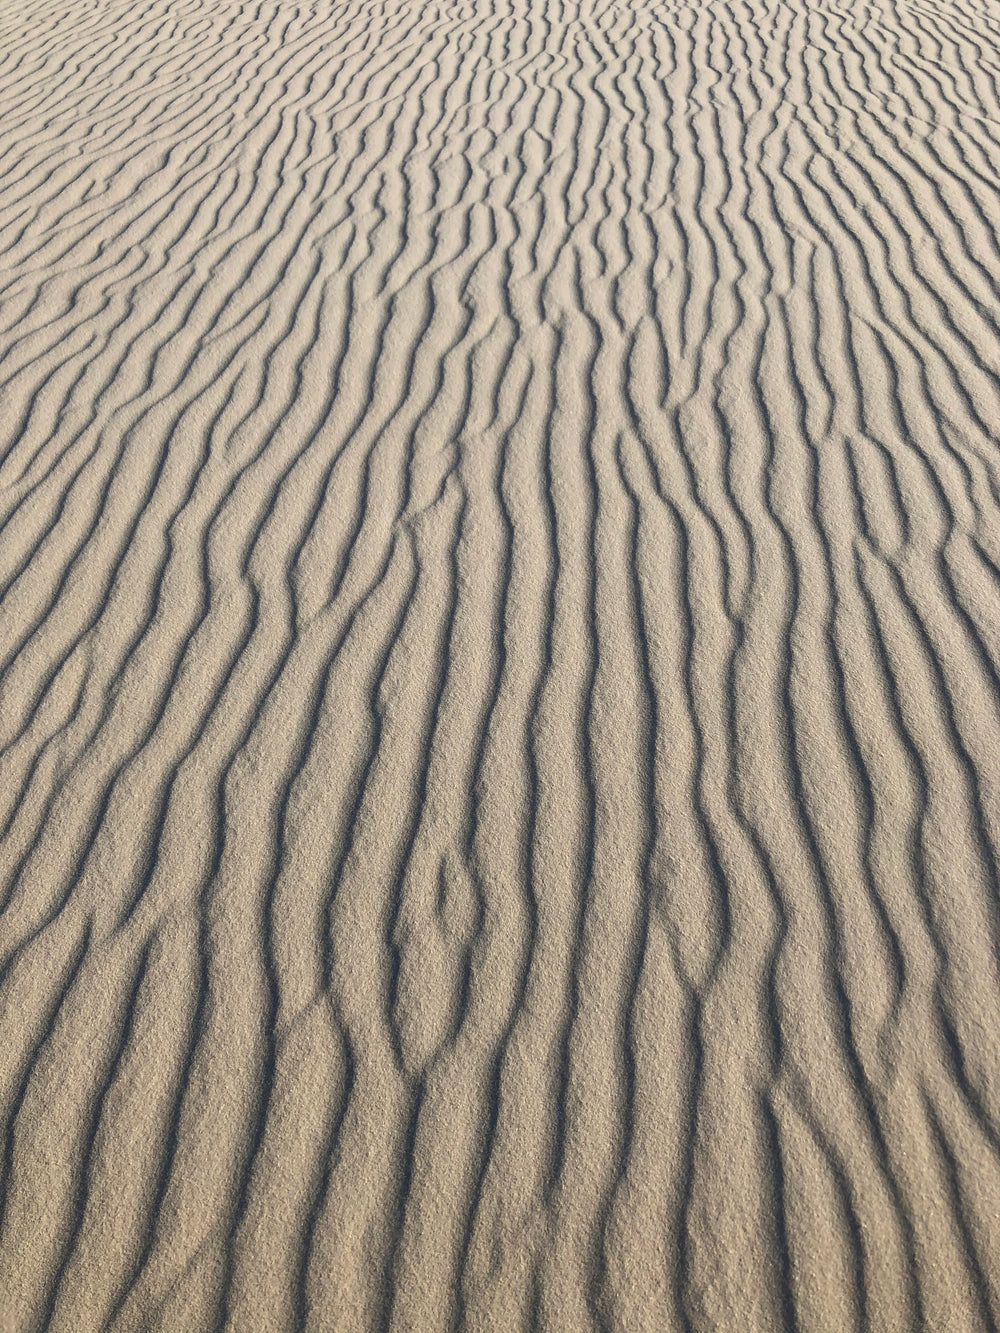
x: 499, y: 648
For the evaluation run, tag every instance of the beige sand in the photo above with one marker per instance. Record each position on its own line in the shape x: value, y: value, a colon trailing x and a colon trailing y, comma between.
x: 499, y: 643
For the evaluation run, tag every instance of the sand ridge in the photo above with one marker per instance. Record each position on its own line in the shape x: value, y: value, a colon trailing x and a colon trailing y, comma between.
x: 499, y: 634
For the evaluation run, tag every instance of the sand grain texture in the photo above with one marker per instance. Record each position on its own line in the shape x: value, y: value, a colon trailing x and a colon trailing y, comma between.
x: 499, y: 645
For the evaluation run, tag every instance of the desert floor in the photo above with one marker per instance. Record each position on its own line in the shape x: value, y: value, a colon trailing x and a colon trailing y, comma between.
x: 500, y: 665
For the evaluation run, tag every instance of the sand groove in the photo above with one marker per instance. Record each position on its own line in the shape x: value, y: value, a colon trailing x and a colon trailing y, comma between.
x: 500, y: 665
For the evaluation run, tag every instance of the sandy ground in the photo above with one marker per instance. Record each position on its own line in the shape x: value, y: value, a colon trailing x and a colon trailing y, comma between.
x: 499, y: 647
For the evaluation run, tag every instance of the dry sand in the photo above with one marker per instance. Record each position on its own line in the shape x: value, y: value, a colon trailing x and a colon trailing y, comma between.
x: 499, y: 646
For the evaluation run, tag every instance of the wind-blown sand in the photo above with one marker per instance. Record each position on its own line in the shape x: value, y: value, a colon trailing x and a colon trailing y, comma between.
x: 500, y: 631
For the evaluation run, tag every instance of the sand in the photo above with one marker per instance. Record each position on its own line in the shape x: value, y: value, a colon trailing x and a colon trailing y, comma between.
x: 499, y: 648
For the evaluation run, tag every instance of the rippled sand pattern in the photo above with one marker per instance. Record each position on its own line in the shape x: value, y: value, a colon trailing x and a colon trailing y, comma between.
x: 499, y: 647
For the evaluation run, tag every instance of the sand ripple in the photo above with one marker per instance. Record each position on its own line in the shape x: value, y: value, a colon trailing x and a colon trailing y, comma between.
x: 499, y: 647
